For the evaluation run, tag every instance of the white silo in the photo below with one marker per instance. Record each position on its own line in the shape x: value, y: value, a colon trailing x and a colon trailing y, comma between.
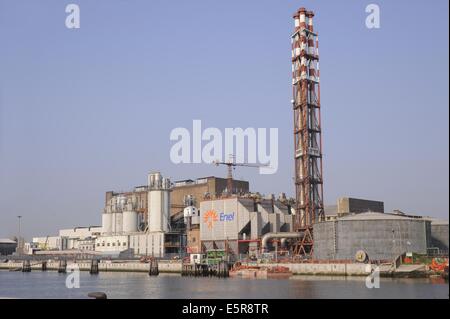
x: 117, y: 219
x: 106, y: 223
x: 121, y: 202
x: 158, y: 203
x: 130, y: 222
x: 158, y: 179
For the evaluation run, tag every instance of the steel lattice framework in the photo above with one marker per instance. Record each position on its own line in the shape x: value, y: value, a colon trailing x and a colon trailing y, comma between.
x: 307, y: 129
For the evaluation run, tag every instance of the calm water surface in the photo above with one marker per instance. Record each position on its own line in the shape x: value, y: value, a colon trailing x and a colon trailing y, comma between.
x: 50, y: 284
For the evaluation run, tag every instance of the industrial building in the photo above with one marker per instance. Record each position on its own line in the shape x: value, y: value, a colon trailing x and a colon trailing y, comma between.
x: 347, y: 205
x: 147, y: 222
x: 72, y: 238
x: 359, y: 224
x: 237, y: 224
x: 150, y: 219
x: 173, y: 218
x: 196, y: 190
x: 7, y: 246
x: 205, y: 187
x: 140, y: 221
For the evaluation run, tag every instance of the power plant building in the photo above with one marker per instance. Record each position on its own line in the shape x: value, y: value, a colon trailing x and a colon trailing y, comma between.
x: 237, y: 223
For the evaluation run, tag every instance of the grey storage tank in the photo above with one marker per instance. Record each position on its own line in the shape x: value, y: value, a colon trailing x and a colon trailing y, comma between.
x: 380, y: 236
x: 439, y: 235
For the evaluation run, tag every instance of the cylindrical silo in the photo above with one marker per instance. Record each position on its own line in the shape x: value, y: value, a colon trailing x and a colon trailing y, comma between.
x: 130, y: 222
x: 156, y: 210
x: 106, y: 223
x: 121, y: 202
x: 166, y: 210
x: 159, y: 204
x: 158, y: 179
x: 117, y: 222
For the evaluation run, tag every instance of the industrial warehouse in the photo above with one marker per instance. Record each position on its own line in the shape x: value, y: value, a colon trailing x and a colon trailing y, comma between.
x: 209, y: 218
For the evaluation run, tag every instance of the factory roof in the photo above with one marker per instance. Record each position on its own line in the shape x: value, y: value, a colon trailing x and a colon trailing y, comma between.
x: 216, y: 177
x: 6, y: 241
x: 184, y: 180
x: 378, y: 216
x: 436, y: 221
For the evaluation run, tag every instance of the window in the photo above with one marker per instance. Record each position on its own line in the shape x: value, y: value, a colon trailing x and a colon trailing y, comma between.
x: 108, y: 245
x: 124, y: 243
x: 114, y: 244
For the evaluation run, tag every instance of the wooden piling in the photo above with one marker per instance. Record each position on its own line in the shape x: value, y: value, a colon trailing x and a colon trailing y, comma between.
x: 62, y: 267
x: 94, y: 267
x: 153, y: 268
x: 26, y: 266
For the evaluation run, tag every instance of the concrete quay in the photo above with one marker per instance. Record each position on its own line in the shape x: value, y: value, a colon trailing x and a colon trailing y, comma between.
x: 315, y: 269
x: 164, y: 266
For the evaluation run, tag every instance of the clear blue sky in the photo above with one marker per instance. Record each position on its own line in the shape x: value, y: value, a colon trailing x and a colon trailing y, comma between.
x: 90, y: 110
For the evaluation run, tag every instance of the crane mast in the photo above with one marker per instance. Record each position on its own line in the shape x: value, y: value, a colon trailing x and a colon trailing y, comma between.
x: 230, y: 166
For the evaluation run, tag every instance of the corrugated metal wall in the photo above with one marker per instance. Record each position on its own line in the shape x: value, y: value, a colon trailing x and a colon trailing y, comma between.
x: 380, y: 239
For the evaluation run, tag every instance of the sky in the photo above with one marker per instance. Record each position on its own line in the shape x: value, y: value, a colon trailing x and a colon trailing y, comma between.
x: 84, y: 111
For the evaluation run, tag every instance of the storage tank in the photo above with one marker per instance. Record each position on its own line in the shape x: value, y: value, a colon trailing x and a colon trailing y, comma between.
x: 106, y: 223
x: 381, y: 236
x: 439, y: 234
x: 158, y: 203
x: 159, y: 212
x: 121, y: 202
x: 130, y: 222
x: 117, y: 219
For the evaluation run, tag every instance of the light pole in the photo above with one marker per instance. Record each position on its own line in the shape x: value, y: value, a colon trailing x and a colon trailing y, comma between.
x: 18, y: 238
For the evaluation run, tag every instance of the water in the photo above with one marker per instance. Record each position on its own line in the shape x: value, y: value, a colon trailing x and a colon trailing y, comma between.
x: 50, y: 284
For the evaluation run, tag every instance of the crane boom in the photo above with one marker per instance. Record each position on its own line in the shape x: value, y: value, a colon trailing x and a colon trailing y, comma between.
x: 230, y: 166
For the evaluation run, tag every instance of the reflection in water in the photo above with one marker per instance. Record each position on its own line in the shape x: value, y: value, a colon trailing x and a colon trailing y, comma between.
x: 140, y: 285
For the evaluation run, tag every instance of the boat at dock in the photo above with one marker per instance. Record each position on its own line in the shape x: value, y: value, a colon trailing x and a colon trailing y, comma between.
x: 260, y: 272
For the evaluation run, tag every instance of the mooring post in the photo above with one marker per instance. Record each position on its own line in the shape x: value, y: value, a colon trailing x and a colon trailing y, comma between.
x: 94, y: 267
x: 62, y: 266
x: 26, y: 267
x: 154, y: 269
